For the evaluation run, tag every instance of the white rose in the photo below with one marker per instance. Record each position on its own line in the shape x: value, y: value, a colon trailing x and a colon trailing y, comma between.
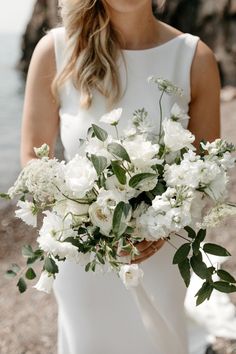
x: 27, y: 213
x: 45, y: 282
x: 66, y: 206
x: 80, y: 176
x: 131, y: 275
x: 141, y: 152
x: 101, y: 218
x: 112, y: 117
x: 176, y: 137
x: 108, y: 199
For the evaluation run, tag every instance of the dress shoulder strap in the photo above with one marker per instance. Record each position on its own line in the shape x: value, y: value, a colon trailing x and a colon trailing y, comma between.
x: 58, y: 34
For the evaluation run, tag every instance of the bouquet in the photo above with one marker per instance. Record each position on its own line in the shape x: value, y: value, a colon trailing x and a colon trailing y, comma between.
x: 120, y: 190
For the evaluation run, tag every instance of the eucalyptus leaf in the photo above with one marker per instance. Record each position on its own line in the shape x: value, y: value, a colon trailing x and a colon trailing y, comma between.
x: 136, y: 179
x: 30, y: 274
x: 10, y: 273
x: 216, y: 250
x: 21, y: 284
x: 87, y: 267
x: 119, y: 172
x: 100, y: 133
x: 224, y: 275
x: 100, y: 258
x: 119, y: 151
x: 50, y: 265
x: 182, y: 253
x: 184, y: 268
x: 120, y: 214
x: 27, y: 251
x: 224, y: 287
x: 99, y: 163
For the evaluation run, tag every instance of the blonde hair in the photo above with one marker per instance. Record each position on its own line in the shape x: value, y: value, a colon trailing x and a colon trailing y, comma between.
x: 92, y: 49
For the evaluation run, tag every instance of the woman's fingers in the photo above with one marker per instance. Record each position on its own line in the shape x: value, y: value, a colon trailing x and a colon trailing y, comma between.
x: 153, y: 248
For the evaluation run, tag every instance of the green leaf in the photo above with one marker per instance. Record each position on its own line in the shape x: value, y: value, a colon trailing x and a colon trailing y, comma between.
x: 217, y: 250
x: 224, y: 287
x: 135, y: 180
x: 181, y: 253
x: 87, y: 267
x: 10, y: 273
x: 201, y: 235
x: 196, y: 246
x: 190, y: 231
x: 184, y: 268
x: 30, y: 274
x: 100, y: 258
x: 99, y: 163
x: 50, y: 265
x: 100, y: 133
x: 118, y: 223
x: 31, y: 260
x: 159, y: 189
x: 27, y: 251
x: 119, y: 151
x: 15, y: 267
x: 224, y: 275
x: 204, y: 293
x: 119, y: 172
x: 4, y: 196
x: 199, y: 267
x: 22, y: 286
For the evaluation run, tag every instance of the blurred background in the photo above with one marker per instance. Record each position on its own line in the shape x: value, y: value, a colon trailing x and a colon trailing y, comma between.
x: 28, y: 321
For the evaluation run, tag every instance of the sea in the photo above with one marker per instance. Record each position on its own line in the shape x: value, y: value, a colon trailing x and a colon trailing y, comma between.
x: 12, y: 87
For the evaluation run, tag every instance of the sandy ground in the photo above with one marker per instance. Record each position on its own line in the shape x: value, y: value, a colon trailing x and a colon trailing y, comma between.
x: 28, y: 322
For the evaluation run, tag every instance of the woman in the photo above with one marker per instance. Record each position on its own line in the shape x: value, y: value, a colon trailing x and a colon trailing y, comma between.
x: 100, y: 59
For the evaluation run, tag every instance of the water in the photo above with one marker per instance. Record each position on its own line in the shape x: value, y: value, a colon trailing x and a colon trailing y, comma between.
x: 11, y: 106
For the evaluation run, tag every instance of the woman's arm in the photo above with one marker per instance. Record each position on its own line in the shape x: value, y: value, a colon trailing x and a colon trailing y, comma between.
x: 204, y: 112
x: 205, y: 96
x: 40, y: 112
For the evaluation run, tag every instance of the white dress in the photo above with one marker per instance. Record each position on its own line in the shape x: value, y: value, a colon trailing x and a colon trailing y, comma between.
x: 96, y: 313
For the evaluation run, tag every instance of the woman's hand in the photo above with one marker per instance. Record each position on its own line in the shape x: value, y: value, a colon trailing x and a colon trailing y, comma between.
x: 146, y: 249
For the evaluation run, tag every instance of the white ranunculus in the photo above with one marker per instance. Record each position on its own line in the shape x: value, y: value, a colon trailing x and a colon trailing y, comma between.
x: 108, y: 199
x: 27, y: 212
x: 131, y: 275
x: 101, y: 218
x: 176, y: 137
x: 141, y: 152
x: 112, y: 117
x: 80, y: 176
x: 45, y: 282
x: 177, y: 113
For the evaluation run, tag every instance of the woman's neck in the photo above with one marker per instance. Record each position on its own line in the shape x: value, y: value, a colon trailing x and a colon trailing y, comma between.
x: 138, y: 30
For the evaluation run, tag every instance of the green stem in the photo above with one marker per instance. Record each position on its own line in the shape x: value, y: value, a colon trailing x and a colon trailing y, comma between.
x: 182, y: 237
x: 161, y: 114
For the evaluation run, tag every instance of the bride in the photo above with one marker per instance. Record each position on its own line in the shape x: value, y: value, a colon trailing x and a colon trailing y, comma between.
x: 100, y: 58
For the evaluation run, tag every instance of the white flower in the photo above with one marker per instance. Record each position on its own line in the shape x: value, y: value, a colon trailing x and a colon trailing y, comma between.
x: 45, y: 282
x: 101, y: 218
x: 217, y: 189
x: 112, y: 117
x: 176, y: 137
x: 27, y: 213
x: 67, y: 206
x: 177, y: 113
x: 108, y: 199
x: 112, y: 183
x: 217, y: 215
x: 56, y: 226
x: 97, y: 147
x: 42, y: 151
x: 141, y: 151
x: 41, y: 178
x: 167, y: 86
x: 131, y: 275
x: 80, y: 176
x: 130, y: 132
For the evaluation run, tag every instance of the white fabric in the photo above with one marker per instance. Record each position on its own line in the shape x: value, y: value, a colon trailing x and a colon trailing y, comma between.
x: 97, y: 314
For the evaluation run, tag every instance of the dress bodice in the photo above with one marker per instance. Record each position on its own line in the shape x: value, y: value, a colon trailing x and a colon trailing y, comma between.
x: 171, y: 60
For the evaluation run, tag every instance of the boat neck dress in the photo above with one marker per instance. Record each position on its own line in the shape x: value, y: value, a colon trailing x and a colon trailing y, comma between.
x: 96, y: 313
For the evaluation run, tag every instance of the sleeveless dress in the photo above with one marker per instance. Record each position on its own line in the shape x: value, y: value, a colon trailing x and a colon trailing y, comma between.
x: 96, y: 313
